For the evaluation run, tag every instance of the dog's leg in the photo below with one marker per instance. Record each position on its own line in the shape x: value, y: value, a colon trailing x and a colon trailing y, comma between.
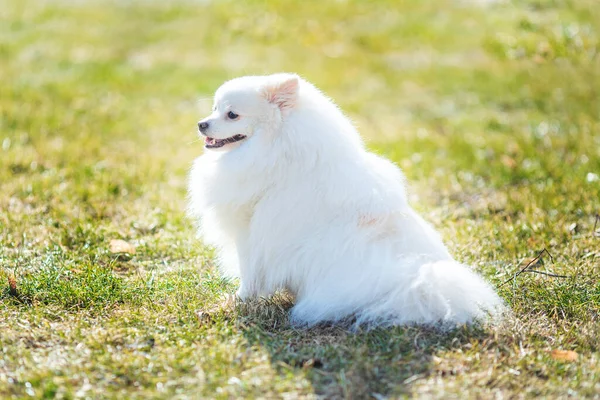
x: 243, y: 293
x: 250, y: 282
x: 319, y: 307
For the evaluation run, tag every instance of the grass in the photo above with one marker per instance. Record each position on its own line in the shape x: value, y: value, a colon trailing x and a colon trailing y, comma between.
x: 491, y: 109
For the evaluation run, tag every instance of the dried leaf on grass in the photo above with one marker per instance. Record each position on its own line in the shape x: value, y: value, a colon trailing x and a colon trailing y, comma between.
x: 118, y: 246
x: 564, y: 355
x: 12, y: 286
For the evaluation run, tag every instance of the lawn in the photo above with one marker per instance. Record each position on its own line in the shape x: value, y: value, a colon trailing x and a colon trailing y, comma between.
x: 492, y: 109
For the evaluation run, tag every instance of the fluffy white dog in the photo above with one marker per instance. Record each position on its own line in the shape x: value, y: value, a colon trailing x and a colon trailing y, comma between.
x: 290, y: 197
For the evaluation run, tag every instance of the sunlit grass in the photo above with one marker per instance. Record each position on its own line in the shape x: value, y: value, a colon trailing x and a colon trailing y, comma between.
x: 491, y: 109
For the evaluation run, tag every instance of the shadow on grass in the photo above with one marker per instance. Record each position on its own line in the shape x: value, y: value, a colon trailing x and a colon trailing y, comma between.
x: 344, y: 364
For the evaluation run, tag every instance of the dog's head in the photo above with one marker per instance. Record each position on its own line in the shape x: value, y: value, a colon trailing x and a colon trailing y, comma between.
x: 248, y: 106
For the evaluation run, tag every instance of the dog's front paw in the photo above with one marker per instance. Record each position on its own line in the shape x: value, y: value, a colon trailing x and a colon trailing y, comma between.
x: 243, y: 293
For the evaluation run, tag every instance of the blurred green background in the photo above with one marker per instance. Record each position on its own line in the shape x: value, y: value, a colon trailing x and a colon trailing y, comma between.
x: 491, y: 108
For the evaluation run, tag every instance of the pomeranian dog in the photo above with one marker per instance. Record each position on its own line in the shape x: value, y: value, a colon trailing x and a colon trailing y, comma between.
x: 291, y: 199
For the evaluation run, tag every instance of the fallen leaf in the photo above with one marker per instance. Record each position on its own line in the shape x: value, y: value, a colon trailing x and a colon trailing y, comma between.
x: 118, y: 246
x: 12, y: 286
x: 564, y: 355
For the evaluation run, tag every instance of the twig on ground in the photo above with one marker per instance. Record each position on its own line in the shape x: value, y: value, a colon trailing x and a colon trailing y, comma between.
x: 529, y: 264
x: 595, y: 232
x: 546, y: 273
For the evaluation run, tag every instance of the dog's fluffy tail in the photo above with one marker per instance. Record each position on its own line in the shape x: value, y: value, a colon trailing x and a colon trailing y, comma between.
x: 441, y: 294
x: 438, y: 293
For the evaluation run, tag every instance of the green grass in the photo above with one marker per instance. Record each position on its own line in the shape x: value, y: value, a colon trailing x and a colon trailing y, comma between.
x: 492, y: 111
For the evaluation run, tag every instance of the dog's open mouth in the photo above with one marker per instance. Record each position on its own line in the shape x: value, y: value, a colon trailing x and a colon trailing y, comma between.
x: 211, y: 143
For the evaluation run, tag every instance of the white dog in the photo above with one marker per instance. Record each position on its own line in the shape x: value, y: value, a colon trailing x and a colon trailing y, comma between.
x: 290, y: 197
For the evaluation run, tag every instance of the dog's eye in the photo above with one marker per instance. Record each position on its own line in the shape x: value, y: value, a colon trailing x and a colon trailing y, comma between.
x: 232, y: 115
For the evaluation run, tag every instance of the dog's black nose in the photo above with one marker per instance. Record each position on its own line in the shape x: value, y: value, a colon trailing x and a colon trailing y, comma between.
x: 202, y: 126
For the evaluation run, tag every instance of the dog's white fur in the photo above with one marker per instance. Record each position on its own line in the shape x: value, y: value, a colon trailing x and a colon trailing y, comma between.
x: 301, y: 205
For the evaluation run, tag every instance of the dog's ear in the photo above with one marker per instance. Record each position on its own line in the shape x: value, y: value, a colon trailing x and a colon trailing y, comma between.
x: 282, y: 90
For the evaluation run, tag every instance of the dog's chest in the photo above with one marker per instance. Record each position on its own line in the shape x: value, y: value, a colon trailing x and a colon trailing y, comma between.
x: 234, y: 220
